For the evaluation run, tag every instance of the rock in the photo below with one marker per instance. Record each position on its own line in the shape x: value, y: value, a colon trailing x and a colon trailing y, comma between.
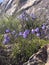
x: 8, y: 6
x: 4, y: 59
x: 39, y: 58
x: 48, y: 56
x: 39, y: 7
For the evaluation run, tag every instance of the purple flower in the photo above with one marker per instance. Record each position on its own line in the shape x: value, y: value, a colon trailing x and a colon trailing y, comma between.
x: 5, y: 41
x: 5, y: 35
x: 22, y: 16
x: 7, y: 31
x: 32, y: 31
x: 8, y: 38
x: 33, y: 16
x: 37, y: 29
x: 20, y: 33
x: 37, y: 34
x: 24, y: 35
x: 26, y: 31
x: 43, y: 27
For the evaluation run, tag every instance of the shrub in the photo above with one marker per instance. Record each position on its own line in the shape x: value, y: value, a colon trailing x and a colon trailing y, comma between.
x: 24, y: 48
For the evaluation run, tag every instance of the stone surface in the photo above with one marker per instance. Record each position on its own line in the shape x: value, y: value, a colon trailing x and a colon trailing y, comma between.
x: 5, y: 53
x: 39, y: 58
x: 39, y: 7
x: 3, y: 57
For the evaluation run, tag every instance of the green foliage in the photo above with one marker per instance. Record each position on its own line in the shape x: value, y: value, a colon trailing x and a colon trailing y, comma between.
x: 31, y: 24
x: 24, y: 48
x: 18, y: 25
x: 10, y: 23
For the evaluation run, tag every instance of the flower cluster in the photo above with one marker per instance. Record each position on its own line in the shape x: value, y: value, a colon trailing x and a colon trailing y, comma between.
x: 24, y: 16
x: 6, y: 37
x: 36, y: 31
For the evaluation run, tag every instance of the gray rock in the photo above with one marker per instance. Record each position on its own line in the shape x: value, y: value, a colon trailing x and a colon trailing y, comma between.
x: 39, y: 58
x: 39, y: 7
